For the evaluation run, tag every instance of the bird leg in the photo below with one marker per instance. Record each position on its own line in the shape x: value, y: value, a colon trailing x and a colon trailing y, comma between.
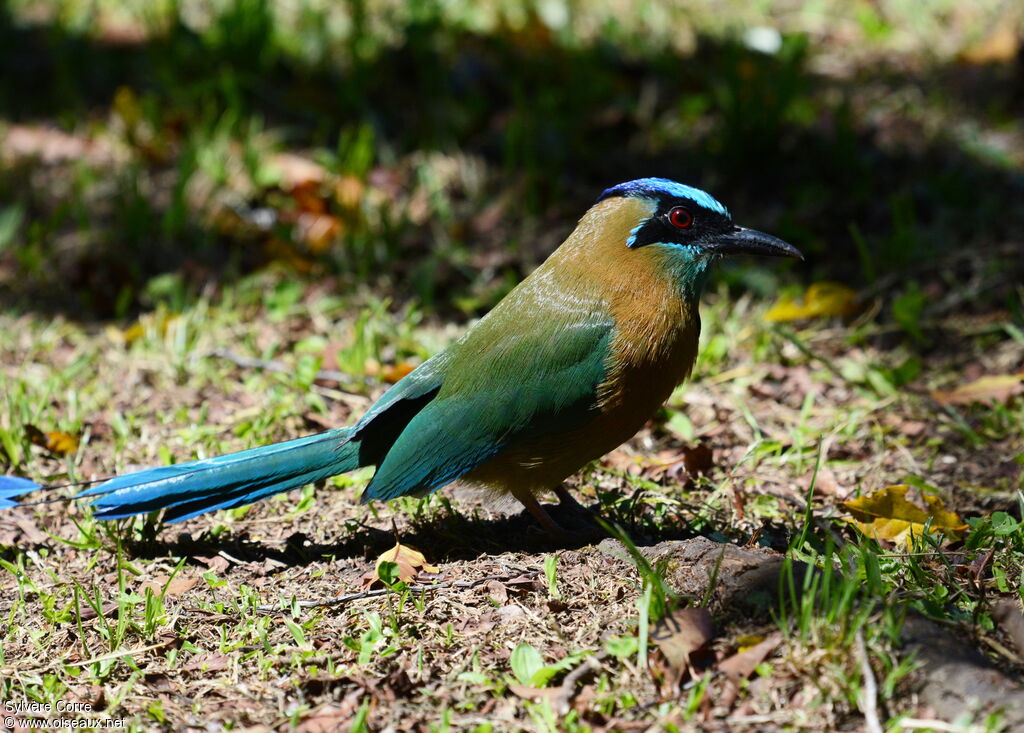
x: 528, y: 500
x: 568, y: 501
x: 579, y: 515
x: 556, y: 531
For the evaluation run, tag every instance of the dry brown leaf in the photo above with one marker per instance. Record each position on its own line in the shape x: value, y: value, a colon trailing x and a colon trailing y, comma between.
x: 742, y: 664
x: 206, y: 663
x: 160, y: 682
x: 999, y: 46
x: 685, y: 465
x: 329, y: 356
x: 50, y: 145
x: 317, y: 231
x: 293, y: 170
x: 410, y: 564
x: 31, y: 532
x: 698, y: 459
x: 887, y: 514
x: 990, y: 389
x: 681, y: 633
x: 328, y: 719
x: 623, y: 461
x: 497, y: 592
x: 825, y: 483
x: 107, y: 609
x: 322, y: 422
x: 214, y: 563
x: 536, y: 694
x: 176, y: 587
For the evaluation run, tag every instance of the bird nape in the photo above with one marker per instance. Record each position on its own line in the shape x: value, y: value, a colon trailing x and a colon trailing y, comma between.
x: 566, y: 367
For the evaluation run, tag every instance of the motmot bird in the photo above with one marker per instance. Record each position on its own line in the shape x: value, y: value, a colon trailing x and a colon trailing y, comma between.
x: 567, y: 366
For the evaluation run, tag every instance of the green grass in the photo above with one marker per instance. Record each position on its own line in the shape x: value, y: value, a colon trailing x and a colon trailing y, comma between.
x: 124, y: 632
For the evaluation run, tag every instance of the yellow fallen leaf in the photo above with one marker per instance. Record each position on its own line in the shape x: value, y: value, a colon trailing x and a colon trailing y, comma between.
x: 994, y: 388
x: 389, y: 373
x: 126, y: 106
x: 349, y: 192
x: 158, y: 321
x: 133, y: 333
x: 395, y: 372
x: 410, y: 564
x: 55, y: 441
x: 821, y: 300
x: 887, y: 514
x: 61, y: 442
x: 748, y: 641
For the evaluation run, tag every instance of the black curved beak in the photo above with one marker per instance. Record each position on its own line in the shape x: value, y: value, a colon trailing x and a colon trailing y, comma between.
x: 752, y: 242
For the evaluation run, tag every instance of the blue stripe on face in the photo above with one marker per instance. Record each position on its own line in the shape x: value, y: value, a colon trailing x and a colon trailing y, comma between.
x: 652, y: 206
x: 655, y: 187
x: 633, y: 232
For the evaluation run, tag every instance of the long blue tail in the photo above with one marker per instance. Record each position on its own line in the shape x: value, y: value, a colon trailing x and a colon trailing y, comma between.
x: 188, y: 489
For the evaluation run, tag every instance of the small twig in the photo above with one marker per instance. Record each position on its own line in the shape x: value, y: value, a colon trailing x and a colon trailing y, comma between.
x: 1001, y: 650
x: 783, y: 716
x: 233, y: 559
x: 429, y: 588
x: 268, y: 365
x: 567, y: 690
x: 933, y: 725
x: 790, y: 336
x: 869, y: 694
x: 116, y: 655
x: 250, y: 362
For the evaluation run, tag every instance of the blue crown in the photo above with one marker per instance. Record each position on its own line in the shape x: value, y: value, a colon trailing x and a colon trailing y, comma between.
x: 661, y: 187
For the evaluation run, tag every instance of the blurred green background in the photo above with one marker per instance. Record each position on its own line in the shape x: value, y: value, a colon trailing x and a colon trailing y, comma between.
x: 155, y: 150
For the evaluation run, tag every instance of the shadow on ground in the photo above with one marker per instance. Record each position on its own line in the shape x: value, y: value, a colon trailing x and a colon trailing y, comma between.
x: 444, y: 539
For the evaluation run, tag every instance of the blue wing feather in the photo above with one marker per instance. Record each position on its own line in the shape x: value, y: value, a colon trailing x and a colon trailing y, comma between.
x: 13, y: 486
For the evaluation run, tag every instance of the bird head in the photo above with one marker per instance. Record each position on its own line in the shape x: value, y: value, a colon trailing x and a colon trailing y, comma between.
x: 693, y: 223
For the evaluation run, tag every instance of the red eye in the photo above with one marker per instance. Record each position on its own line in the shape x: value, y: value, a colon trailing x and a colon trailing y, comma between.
x: 680, y: 217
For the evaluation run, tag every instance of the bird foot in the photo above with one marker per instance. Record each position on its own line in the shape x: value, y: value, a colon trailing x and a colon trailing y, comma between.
x: 577, y: 525
x: 578, y: 535
x: 568, y: 504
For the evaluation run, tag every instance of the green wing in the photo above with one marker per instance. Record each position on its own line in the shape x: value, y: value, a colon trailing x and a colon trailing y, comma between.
x: 379, y: 428
x: 523, y: 372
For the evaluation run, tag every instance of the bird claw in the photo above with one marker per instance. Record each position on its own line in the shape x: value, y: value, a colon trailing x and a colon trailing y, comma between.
x: 579, y: 528
x: 578, y: 535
